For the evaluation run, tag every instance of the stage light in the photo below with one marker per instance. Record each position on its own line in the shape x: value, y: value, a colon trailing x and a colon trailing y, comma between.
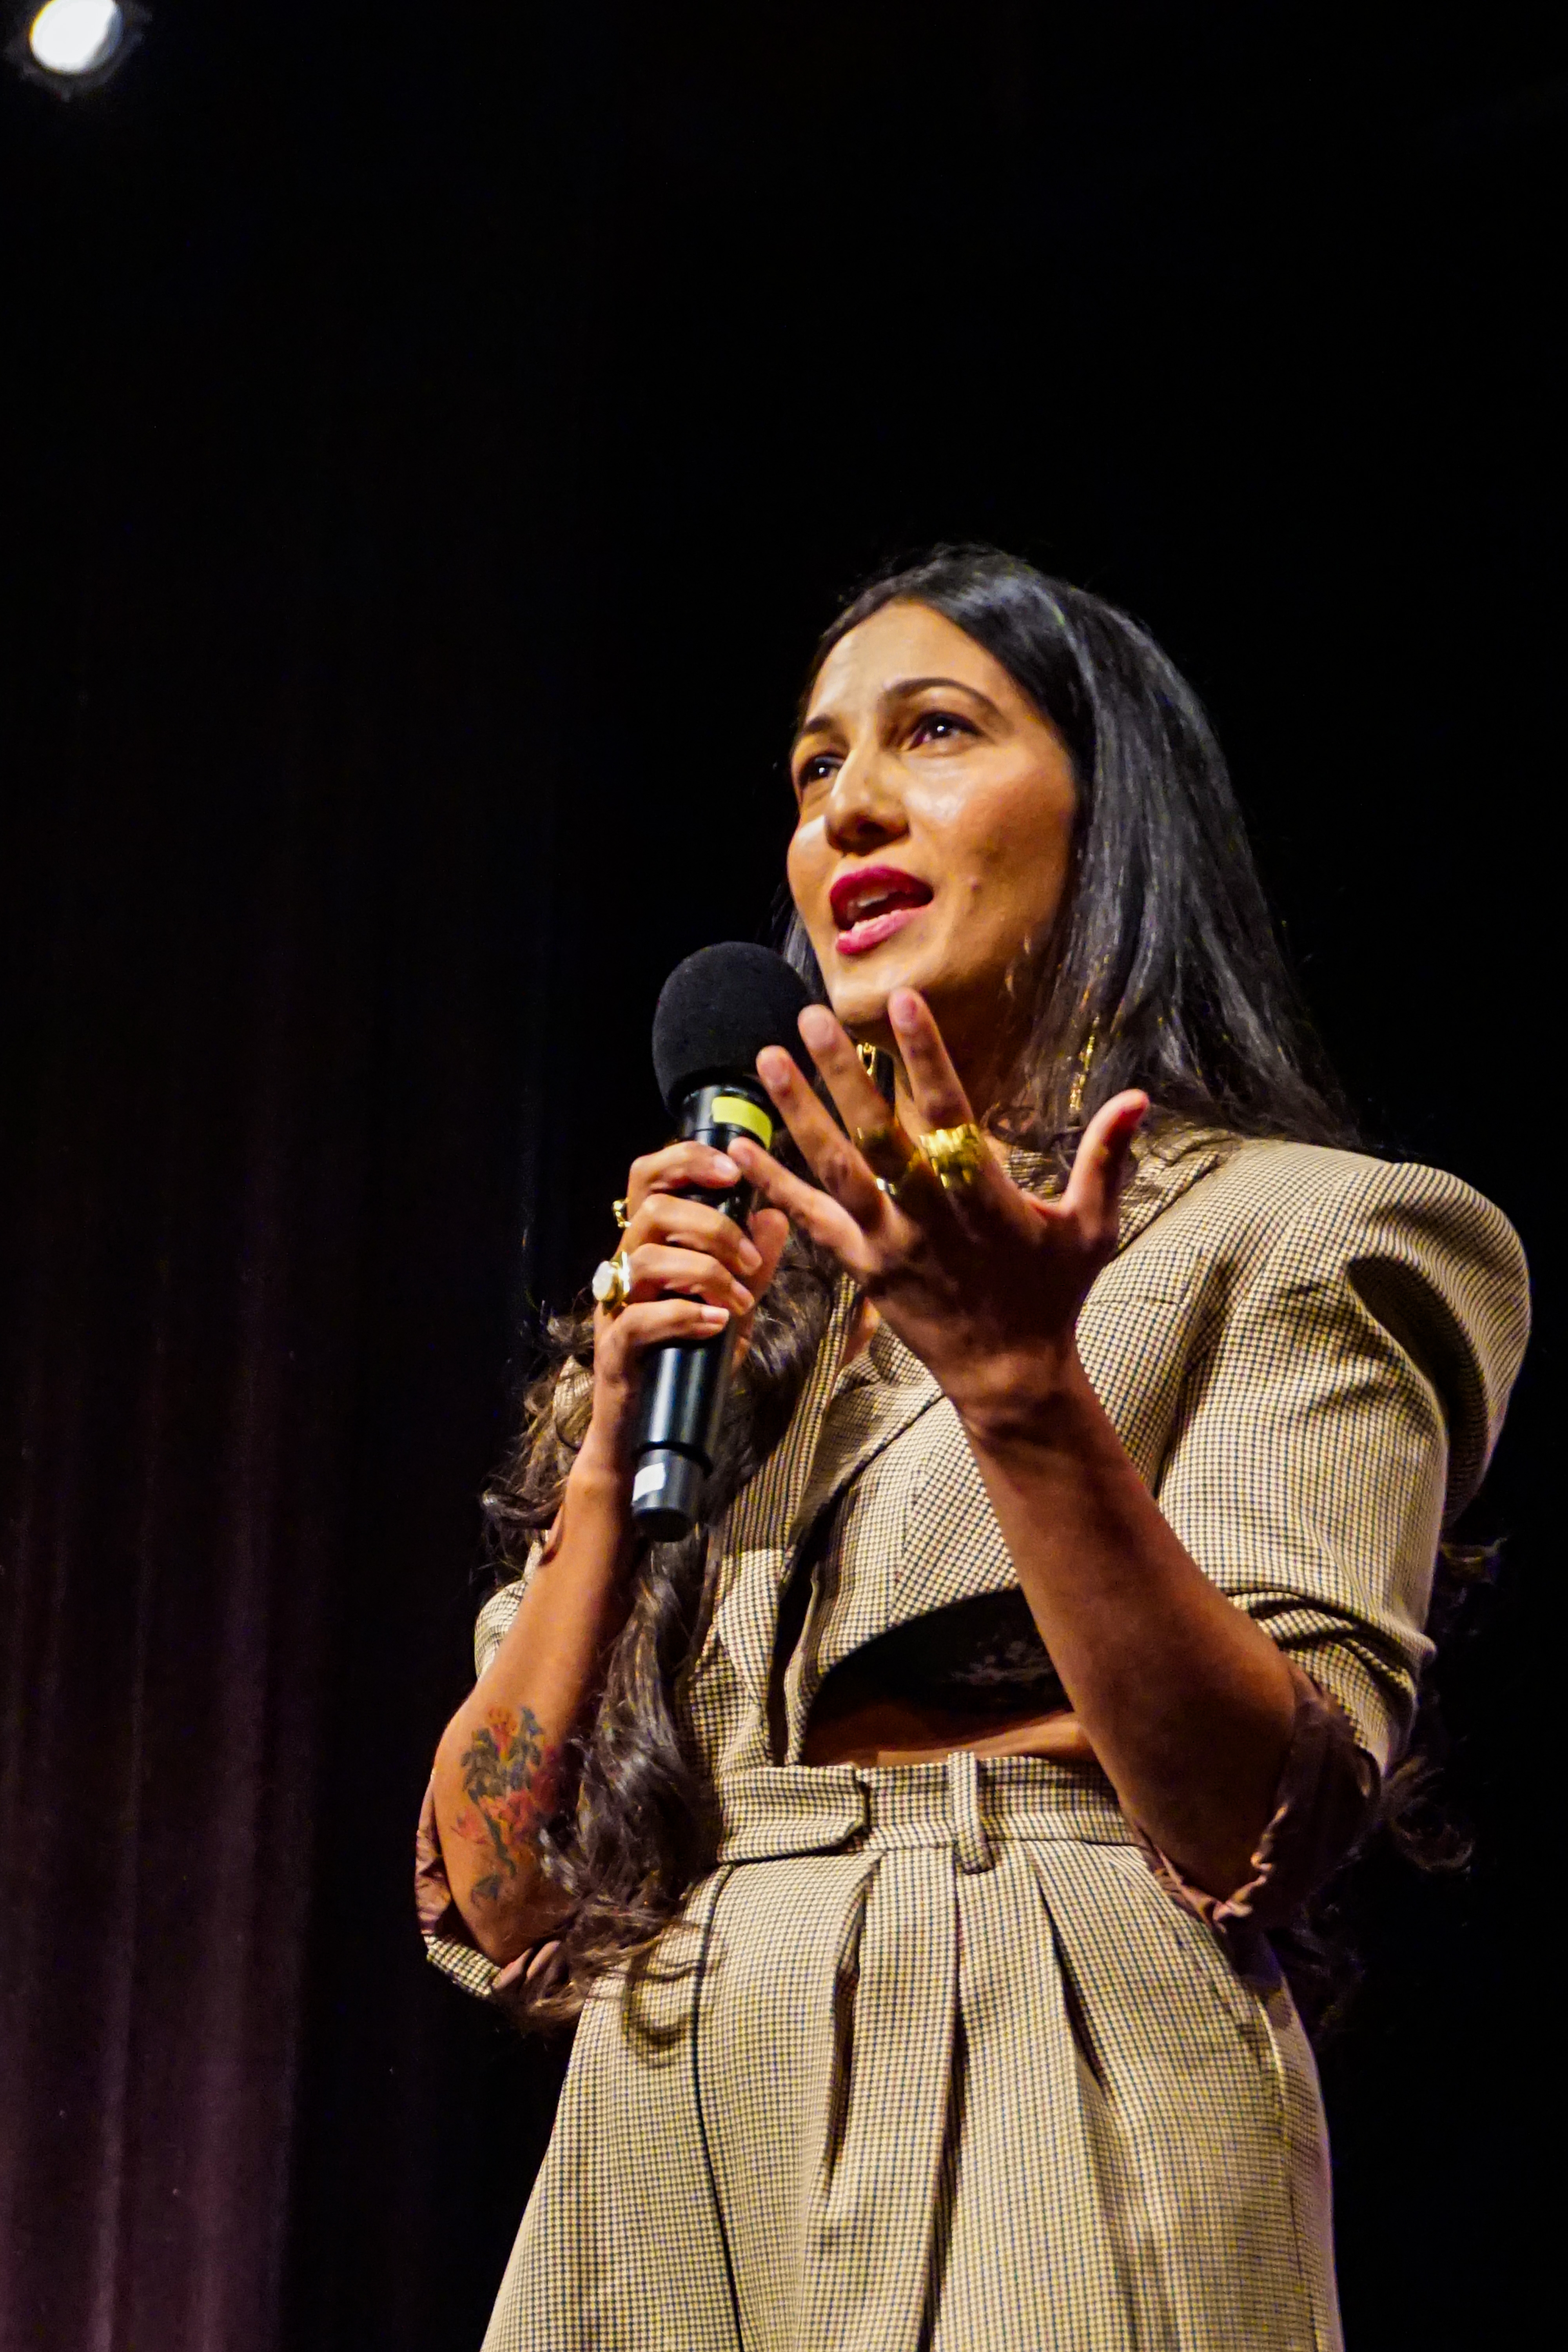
x: 76, y: 37
x: 72, y: 46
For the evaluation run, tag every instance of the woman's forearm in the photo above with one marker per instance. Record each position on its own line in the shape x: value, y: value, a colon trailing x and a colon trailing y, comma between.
x: 1187, y: 1704
x: 497, y: 1767
x: 1189, y: 1708
x: 684, y: 1269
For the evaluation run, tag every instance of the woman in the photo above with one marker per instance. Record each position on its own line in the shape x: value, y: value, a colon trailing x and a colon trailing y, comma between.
x: 907, y: 1837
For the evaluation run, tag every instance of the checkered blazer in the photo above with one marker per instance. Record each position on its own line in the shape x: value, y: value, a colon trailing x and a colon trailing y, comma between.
x: 957, y: 2072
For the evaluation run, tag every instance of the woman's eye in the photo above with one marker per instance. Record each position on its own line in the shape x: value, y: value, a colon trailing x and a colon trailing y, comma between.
x: 814, y: 771
x: 935, y: 725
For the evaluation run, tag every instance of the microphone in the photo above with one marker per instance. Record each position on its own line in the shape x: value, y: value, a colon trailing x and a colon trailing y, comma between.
x: 715, y: 1014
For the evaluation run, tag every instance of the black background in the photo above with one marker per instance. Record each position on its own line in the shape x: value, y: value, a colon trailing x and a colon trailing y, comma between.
x: 433, y: 442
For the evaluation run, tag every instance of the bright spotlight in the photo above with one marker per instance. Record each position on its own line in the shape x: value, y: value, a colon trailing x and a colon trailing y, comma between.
x: 74, y: 46
x: 76, y: 37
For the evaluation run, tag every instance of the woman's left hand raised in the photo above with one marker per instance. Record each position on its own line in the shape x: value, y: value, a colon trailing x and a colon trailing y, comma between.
x: 981, y: 1280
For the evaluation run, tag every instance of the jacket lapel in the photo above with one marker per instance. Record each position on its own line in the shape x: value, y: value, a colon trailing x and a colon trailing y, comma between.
x: 875, y: 1400
x: 878, y: 1398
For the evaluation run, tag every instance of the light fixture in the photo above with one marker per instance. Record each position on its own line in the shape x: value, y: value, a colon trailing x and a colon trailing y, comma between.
x: 75, y: 45
x: 76, y: 37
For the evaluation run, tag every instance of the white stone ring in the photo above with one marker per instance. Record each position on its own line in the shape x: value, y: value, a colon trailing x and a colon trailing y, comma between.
x: 611, y: 1283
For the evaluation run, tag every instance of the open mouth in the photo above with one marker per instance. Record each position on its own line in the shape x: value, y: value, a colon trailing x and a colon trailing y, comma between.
x: 872, y: 903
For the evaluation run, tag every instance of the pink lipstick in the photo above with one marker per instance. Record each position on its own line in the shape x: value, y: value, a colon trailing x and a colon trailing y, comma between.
x: 871, y: 903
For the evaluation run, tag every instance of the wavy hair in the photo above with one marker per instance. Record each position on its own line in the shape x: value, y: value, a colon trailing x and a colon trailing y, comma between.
x: 1163, y: 972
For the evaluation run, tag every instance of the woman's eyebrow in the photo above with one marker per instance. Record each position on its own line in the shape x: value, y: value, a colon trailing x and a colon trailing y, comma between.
x: 823, y: 722
x: 904, y: 686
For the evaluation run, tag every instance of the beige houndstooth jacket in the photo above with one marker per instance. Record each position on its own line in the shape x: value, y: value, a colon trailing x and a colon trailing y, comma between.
x: 944, y: 2068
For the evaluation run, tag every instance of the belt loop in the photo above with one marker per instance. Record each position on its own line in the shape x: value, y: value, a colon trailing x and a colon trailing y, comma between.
x: 856, y: 1838
x: 970, y: 1843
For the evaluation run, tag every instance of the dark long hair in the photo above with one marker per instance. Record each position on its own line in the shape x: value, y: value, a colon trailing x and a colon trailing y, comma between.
x: 1163, y: 972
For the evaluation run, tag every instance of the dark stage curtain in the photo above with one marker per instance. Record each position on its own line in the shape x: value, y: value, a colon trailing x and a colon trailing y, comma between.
x: 280, y: 890
x: 428, y: 463
x: 263, y: 1247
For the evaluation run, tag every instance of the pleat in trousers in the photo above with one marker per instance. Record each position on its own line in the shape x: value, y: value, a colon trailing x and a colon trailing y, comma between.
x: 934, y: 2065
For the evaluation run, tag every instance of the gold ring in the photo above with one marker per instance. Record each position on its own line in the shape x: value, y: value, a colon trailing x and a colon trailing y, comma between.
x: 915, y: 1173
x: 886, y: 1152
x: 956, y: 1155
x: 612, y: 1284
x: 618, y: 1211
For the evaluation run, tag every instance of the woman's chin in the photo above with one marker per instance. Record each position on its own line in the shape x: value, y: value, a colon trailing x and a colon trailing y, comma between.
x: 861, y: 1002
x: 858, y: 991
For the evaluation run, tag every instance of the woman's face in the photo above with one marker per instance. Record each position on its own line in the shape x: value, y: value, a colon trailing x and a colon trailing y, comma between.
x: 935, y: 831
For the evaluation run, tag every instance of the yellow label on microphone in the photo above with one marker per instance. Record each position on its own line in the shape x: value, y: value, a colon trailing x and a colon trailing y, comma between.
x: 735, y: 1110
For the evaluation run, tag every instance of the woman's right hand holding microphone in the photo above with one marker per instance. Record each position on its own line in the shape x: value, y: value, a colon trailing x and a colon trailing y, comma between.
x: 690, y: 1269
x: 497, y: 1765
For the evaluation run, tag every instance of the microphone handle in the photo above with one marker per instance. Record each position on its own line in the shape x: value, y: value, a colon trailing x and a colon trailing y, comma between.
x: 686, y: 1381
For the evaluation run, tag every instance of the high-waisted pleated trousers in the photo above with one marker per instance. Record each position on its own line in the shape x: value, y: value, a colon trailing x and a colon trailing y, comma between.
x: 932, y: 2062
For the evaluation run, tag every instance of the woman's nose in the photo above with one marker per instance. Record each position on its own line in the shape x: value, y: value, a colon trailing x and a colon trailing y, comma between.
x: 865, y: 807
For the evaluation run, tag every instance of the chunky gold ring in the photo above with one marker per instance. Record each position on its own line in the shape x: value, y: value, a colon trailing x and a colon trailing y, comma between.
x: 956, y: 1155
x: 618, y: 1211
x: 914, y: 1175
x: 886, y: 1152
x: 612, y: 1284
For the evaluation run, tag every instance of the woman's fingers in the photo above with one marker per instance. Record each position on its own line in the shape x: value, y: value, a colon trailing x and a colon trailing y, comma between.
x: 939, y: 1098
x: 858, y: 1104
x: 933, y: 1082
x: 818, y: 1214
x: 618, y: 1338
x: 1093, y: 1194
x: 829, y: 1154
x: 673, y: 1169
x: 620, y: 1343
x: 684, y: 1223
x: 770, y: 1232
x: 656, y: 1271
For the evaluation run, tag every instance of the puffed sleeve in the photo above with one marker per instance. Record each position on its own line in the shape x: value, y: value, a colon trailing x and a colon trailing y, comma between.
x: 1368, y: 1322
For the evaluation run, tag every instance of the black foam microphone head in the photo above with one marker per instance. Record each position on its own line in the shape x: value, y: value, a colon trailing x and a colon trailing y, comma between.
x: 717, y: 1011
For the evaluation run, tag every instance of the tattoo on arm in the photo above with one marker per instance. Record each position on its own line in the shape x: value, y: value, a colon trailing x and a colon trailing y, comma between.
x: 510, y: 1778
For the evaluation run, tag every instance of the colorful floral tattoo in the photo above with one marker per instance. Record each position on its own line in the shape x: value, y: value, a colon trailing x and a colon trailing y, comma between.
x: 509, y: 1780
